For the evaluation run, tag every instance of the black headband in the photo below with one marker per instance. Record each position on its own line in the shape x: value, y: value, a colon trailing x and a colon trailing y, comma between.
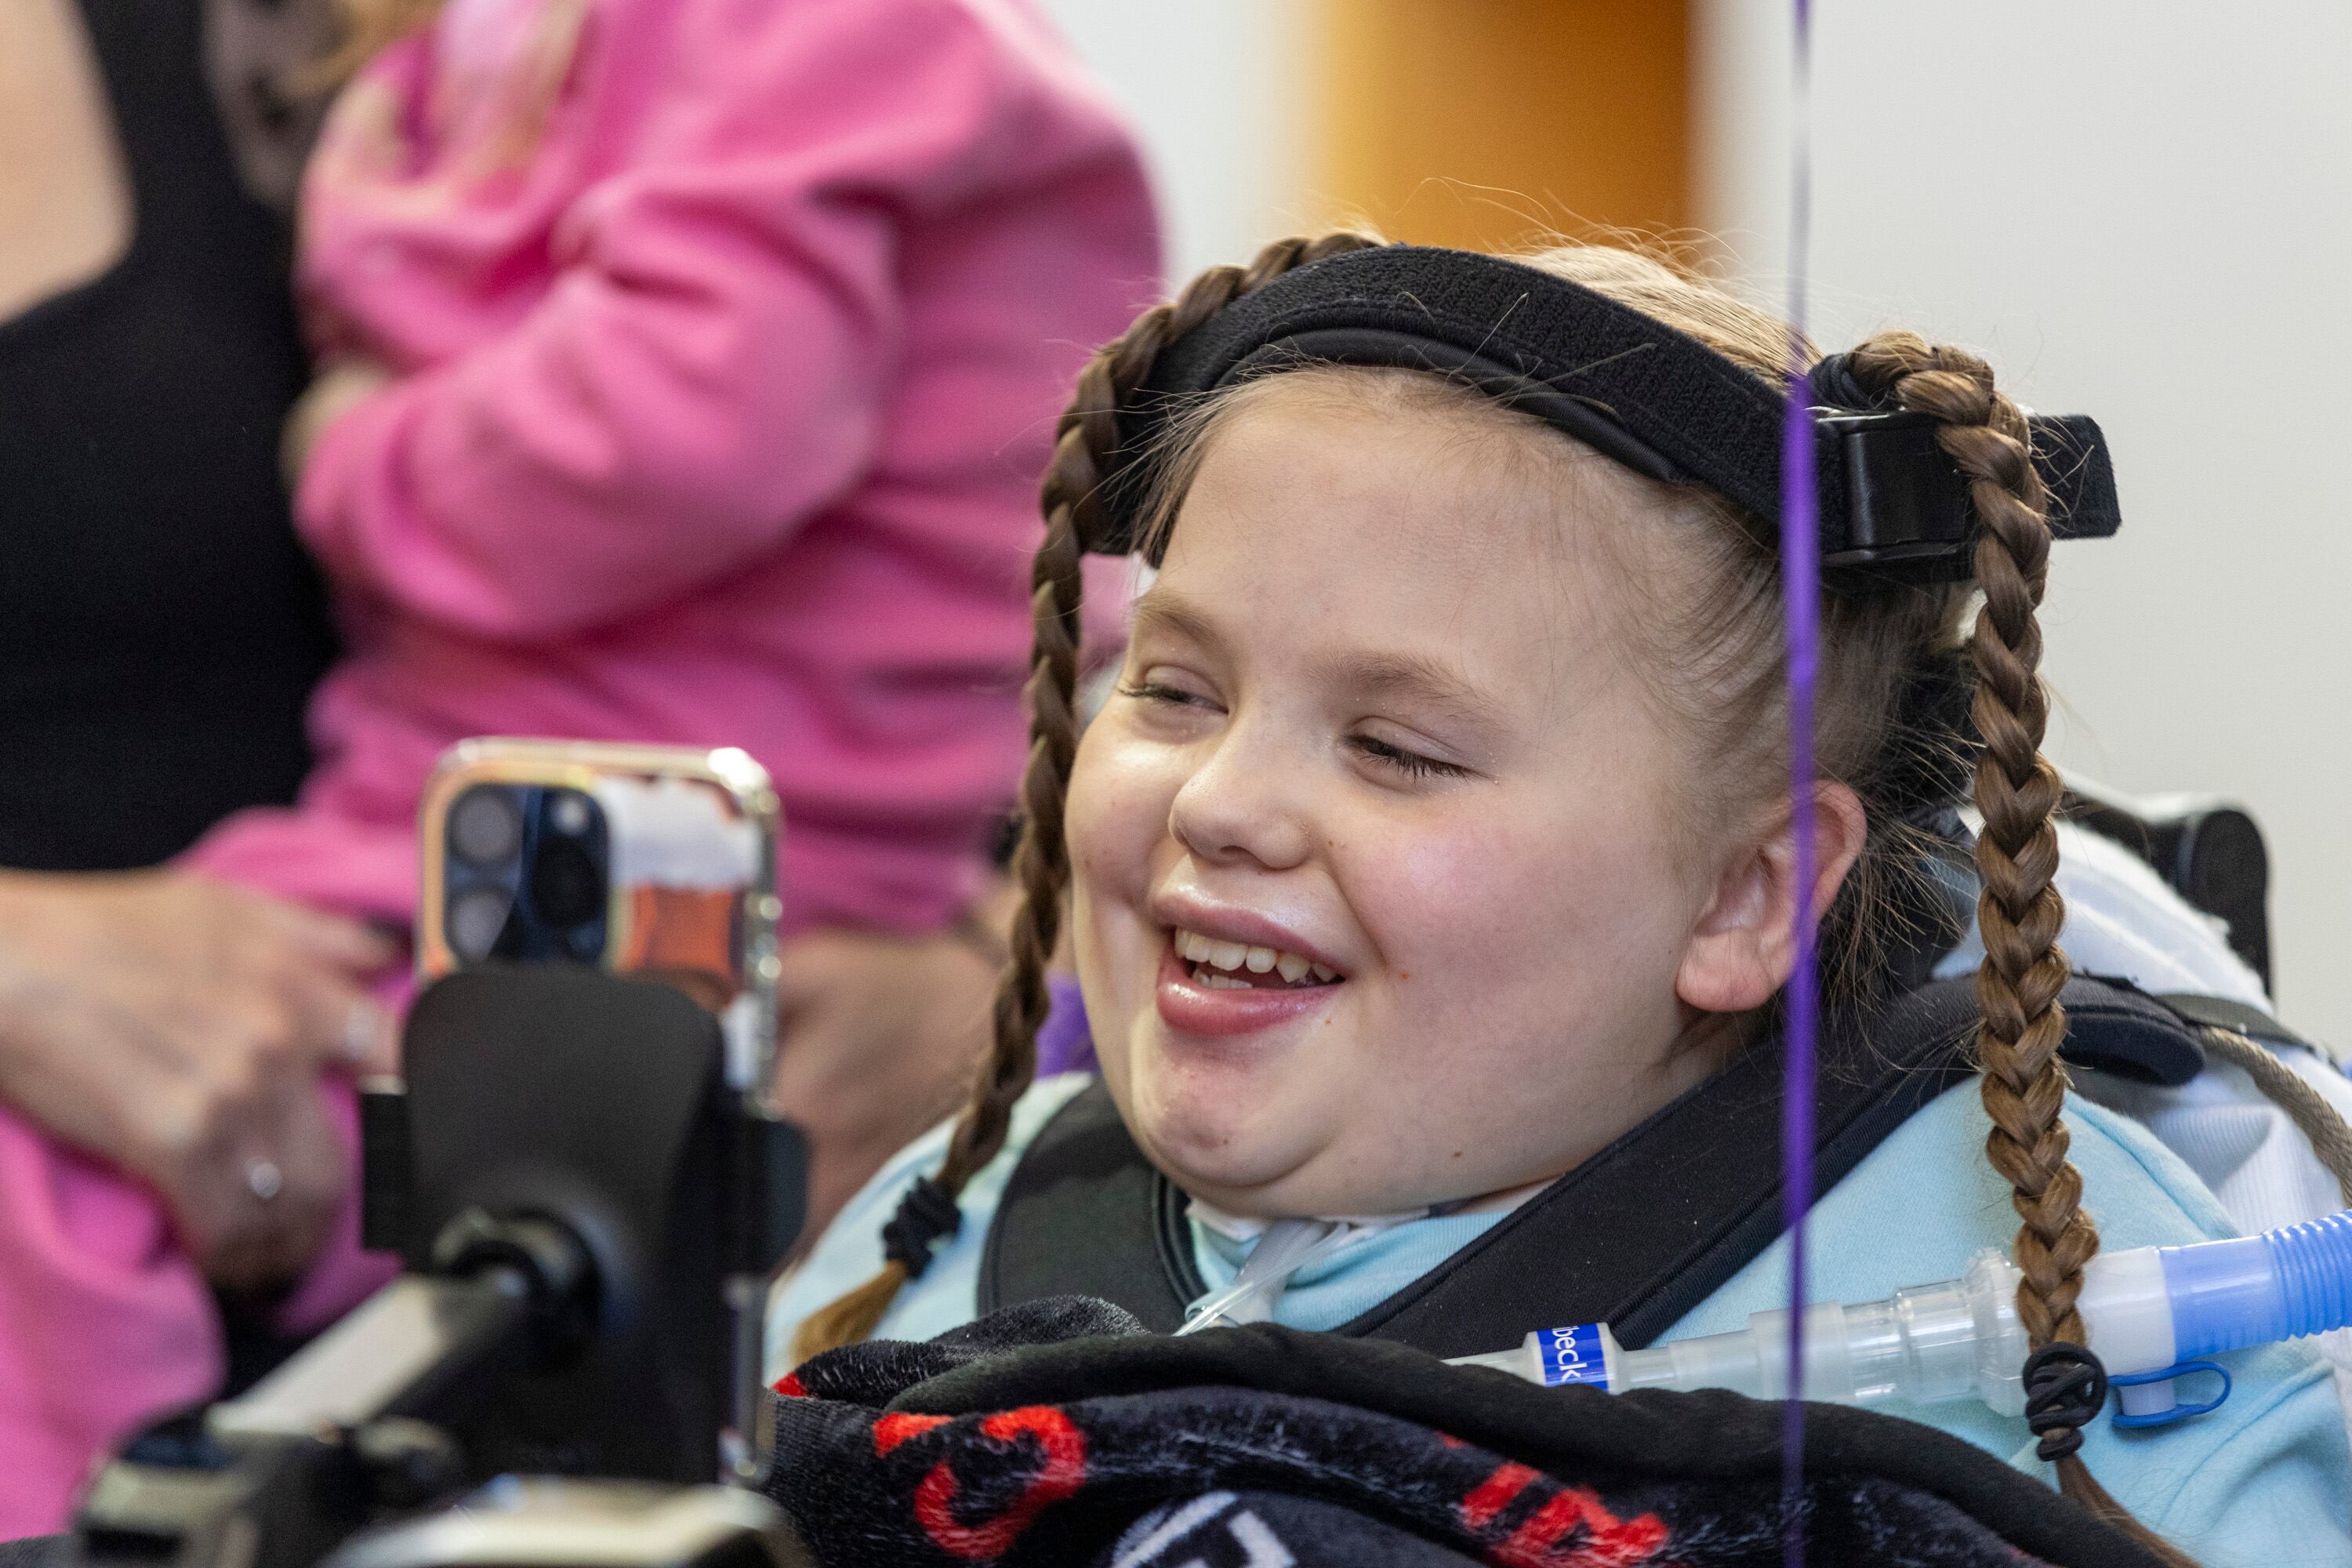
x: 1893, y: 507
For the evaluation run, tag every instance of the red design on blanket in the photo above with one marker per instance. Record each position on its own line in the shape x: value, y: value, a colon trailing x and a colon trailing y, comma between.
x: 1571, y: 1528
x: 892, y: 1430
x: 1063, y: 1469
x: 1494, y: 1494
x: 791, y: 1386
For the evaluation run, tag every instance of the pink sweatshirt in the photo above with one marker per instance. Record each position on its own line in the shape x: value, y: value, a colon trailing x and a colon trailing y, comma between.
x: 729, y: 343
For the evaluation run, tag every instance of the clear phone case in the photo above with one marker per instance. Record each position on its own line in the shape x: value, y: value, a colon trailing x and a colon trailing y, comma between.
x: 658, y: 861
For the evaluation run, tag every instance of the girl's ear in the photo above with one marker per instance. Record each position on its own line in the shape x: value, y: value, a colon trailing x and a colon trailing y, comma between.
x: 1743, y: 948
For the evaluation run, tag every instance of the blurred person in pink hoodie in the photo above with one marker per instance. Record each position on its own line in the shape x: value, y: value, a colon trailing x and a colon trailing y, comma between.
x: 688, y: 369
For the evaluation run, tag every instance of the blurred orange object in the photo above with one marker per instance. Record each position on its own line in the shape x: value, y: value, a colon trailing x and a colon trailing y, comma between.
x: 1485, y: 123
x: 685, y: 935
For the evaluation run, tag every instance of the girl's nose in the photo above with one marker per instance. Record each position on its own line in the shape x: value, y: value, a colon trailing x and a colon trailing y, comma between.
x: 1244, y: 804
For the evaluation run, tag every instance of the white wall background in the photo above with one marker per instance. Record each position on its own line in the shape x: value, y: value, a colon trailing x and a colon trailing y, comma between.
x: 1217, y: 90
x: 2140, y: 209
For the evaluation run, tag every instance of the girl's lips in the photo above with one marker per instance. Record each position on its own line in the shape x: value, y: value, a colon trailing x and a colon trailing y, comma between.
x: 1190, y: 1008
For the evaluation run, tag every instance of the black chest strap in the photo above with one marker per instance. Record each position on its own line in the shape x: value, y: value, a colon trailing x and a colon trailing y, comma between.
x: 1635, y: 1237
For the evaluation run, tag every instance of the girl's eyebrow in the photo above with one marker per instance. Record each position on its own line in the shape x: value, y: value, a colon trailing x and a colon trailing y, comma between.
x: 1164, y: 610
x: 1423, y: 679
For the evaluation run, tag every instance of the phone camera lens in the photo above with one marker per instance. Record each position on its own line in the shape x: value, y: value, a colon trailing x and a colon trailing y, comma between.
x: 476, y: 918
x: 566, y: 888
x: 485, y: 826
x: 568, y: 813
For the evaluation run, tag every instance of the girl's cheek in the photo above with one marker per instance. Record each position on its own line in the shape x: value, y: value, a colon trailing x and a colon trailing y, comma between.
x: 1514, y: 913
x: 1442, y: 892
x: 1120, y: 793
x: 1108, y: 886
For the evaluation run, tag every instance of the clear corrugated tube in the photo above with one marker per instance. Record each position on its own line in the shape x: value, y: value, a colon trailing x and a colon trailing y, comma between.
x: 2149, y: 1310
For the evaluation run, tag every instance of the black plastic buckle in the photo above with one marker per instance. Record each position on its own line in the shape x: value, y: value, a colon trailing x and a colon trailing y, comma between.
x: 1906, y: 502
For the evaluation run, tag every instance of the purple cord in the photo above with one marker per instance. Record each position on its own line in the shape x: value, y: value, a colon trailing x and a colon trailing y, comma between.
x: 1801, y: 588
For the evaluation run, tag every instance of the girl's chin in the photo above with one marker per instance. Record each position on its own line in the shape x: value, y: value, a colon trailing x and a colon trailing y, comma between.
x: 1223, y: 1182
x: 1252, y: 1182
x: 1233, y: 1139
x: 1212, y: 1136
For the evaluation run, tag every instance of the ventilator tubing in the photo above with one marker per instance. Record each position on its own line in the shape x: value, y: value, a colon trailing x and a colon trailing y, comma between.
x: 2148, y: 1311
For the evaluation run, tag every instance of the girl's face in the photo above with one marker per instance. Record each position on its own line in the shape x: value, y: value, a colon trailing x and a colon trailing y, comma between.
x: 1378, y: 895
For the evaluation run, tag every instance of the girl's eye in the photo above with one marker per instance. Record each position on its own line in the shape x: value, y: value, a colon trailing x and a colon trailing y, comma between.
x: 1160, y: 691
x: 1413, y: 764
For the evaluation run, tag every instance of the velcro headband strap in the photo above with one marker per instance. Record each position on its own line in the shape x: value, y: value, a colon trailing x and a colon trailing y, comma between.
x: 1892, y: 506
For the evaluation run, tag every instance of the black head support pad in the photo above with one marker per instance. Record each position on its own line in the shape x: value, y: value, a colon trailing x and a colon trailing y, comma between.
x: 1894, y: 508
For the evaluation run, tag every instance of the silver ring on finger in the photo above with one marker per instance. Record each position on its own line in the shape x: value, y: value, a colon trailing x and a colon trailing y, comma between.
x: 263, y: 1179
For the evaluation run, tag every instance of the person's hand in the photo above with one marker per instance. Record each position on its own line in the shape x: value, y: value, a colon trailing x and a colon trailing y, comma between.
x: 331, y: 393
x: 879, y: 1037
x: 177, y: 1027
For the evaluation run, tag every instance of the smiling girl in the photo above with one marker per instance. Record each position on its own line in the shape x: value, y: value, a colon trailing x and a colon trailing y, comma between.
x: 1438, y: 835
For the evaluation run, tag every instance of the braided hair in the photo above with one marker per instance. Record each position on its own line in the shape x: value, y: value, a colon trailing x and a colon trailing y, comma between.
x: 2019, y: 909
x: 1908, y: 703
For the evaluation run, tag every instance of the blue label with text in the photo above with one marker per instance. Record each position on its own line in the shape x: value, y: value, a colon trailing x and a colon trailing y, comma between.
x: 1573, y: 1355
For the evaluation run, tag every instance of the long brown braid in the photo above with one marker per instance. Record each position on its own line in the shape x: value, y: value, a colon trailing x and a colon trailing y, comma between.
x: 2020, y: 910
x: 1086, y: 447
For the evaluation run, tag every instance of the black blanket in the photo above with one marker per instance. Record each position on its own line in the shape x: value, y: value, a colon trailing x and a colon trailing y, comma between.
x: 1060, y: 1433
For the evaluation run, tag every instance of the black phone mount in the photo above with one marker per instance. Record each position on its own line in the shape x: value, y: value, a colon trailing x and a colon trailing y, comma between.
x: 587, y: 1215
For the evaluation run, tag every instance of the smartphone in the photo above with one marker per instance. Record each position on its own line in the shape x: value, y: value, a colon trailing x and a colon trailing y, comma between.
x: 655, y: 861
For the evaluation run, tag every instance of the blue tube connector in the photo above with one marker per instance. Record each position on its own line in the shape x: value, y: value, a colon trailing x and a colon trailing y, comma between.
x: 2259, y: 1290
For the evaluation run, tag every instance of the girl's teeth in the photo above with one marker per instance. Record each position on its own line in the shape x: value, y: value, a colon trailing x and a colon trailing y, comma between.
x: 1215, y: 982
x: 1233, y: 957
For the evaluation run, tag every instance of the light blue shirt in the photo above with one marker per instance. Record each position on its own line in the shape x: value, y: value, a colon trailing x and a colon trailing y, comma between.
x: 2264, y: 1482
